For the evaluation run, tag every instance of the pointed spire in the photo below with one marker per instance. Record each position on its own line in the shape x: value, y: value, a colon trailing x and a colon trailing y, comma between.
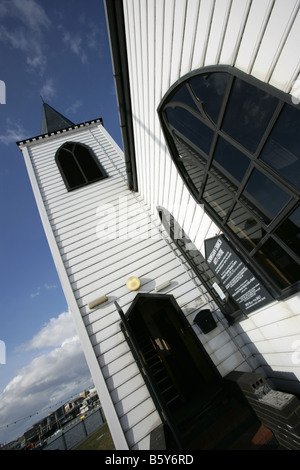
x: 52, y: 120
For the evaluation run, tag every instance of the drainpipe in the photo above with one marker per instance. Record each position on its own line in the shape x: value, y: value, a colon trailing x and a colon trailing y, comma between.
x: 117, y: 39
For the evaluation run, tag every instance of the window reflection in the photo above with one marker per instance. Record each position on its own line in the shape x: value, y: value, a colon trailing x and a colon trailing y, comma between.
x: 278, y: 263
x: 215, y: 145
x: 184, y: 96
x: 70, y: 169
x: 217, y: 196
x: 210, y: 89
x: 265, y: 196
x: 244, y: 225
x: 282, y: 150
x: 248, y: 114
x: 188, y: 125
x: 192, y: 161
x: 289, y: 231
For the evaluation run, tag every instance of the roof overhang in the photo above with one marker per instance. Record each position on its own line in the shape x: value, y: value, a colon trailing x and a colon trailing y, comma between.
x: 117, y: 39
x: 30, y: 140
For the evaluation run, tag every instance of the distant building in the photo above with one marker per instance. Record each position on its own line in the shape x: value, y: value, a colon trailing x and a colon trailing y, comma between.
x: 179, y: 258
x: 55, y: 420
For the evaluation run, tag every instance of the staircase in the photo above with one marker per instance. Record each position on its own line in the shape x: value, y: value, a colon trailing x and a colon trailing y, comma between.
x: 156, y: 368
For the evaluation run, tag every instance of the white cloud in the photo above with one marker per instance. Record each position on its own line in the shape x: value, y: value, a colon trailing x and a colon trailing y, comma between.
x: 30, y: 21
x: 75, y: 44
x: 14, y: 133
x: 93, y: 36
x: 49, y: 379
x: 81, y: 44
x: 49, y: 286
x: 48, y: 91
x: 73, y: 108
x: 54, y: 332
x: 40, y: 291
x: 34, y: 294
x: 31, y: 13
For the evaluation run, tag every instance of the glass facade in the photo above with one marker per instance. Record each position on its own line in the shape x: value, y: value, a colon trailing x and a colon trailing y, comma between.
x: 234, y: 141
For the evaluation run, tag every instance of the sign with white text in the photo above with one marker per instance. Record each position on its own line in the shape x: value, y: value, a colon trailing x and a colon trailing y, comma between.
x: 240, y: 283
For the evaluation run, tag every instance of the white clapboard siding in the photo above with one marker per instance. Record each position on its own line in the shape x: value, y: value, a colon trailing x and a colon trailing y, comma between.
x: 166, y: 39
x: 103, y: 234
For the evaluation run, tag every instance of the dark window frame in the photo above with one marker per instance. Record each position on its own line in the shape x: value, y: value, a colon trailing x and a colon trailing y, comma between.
x: 177, y: 142
x: 86, y: 179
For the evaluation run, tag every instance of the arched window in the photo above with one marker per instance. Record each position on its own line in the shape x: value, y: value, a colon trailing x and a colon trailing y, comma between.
x: 236, y: 143
x: 78, y: 165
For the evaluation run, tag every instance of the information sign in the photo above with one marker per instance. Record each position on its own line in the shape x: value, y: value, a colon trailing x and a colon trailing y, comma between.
x: 240, y: 283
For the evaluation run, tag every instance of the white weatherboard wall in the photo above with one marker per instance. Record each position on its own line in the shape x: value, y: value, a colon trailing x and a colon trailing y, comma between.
x: 99, y: 236
x: 167, y: 39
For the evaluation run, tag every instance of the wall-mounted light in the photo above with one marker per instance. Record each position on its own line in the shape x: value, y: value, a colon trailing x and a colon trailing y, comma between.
x: 97, y: 302
x: 133, y: 283
x: 162, y: 286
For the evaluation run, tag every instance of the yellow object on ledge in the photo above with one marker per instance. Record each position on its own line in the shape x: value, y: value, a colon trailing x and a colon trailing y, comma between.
x: 133, y: 283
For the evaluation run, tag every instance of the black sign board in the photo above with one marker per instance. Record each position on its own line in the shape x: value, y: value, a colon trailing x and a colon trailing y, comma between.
x: 240, y: 283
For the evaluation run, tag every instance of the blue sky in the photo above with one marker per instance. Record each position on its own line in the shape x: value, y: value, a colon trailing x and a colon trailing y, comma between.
x: 60, y: 50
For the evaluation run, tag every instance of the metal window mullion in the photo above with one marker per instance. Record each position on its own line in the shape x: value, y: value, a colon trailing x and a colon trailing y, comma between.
x: 283, y: 214
x: 279, y: 241
x: 79, y: 166
x: 269, y: 129
x: 274, y: 176
x: 172, y: 130
x: 254, y: 163
x: 225, y: 101
x: 286, y: 248
x: 199, y: 105
x: 201, y: 115
x: 276, y: 268
x: 217, y: 131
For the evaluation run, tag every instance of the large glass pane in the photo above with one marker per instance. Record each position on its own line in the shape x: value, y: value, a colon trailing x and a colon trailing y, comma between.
x: 87, y: 163
x: 289, y: 231
x: 275, y: 261
x: 193, y: 163
x: 188, y: 125
x: 184, y: 96
x: 243, y: 224
x: 217, y: 196
x: 231, y: 159
x: 248, y: 113
x: 70, y: 169
x: 210, y: 90
x: 282, y: 150
x: 194, y: 172
x: 264, y: 197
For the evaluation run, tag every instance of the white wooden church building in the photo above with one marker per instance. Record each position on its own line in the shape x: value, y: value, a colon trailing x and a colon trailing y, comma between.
x: 179, y: 257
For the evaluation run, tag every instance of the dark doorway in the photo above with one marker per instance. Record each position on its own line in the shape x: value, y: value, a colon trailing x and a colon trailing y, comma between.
x: 192, y: 397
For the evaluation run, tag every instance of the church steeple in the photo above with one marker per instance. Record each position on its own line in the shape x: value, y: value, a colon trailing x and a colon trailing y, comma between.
x: 52, y: 120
